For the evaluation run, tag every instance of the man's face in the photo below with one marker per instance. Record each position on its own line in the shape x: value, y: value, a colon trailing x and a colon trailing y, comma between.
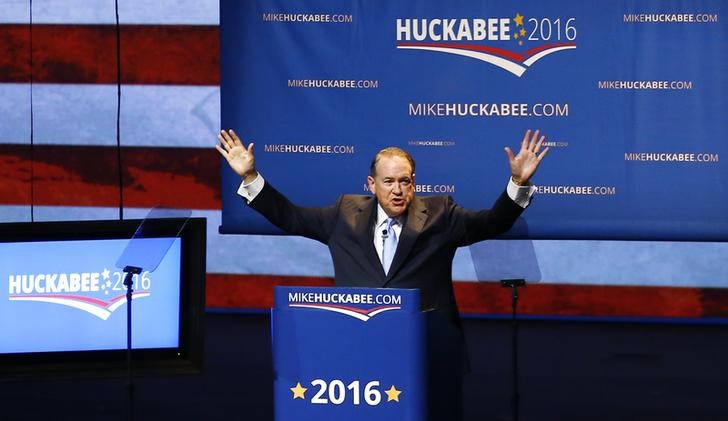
x: 393, y: 184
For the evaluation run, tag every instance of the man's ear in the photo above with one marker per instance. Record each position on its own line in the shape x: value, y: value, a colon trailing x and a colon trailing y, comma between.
x: 370, y: 182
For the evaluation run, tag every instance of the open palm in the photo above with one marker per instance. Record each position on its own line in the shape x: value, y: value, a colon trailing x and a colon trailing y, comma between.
x: 240, y: 158
x: 525, y: 164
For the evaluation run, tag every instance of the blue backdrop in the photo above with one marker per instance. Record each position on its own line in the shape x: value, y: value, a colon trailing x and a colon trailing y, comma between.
x: 631, y: 96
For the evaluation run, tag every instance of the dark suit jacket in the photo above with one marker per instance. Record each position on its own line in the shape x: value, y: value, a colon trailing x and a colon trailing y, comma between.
x: 434, y: 228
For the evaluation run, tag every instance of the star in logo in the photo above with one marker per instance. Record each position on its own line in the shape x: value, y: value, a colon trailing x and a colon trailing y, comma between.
x: 518, y: 19
x: 392, y: 394
x: 299, y: 391
x: 105, y: 285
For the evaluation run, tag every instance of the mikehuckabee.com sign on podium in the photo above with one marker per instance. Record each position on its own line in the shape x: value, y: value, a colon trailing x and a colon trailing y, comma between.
x: 348, y: 353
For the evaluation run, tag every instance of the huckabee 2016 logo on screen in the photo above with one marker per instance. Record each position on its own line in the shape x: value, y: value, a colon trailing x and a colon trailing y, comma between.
x: 64, y: 296
x: 99, y: 293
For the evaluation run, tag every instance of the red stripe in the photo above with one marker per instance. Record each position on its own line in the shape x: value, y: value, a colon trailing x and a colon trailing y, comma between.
x: 352, y: 309
x: 90, y: 300
x: 251, y: 291
x: 490, y: 50
x: 256, y: 292
x: 150, y: 54
x: 583, y: 300
x: 88, y: 176
x: 533, y: 51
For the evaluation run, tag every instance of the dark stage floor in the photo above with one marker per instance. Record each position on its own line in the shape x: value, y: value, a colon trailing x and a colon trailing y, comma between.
x: 569, y: 371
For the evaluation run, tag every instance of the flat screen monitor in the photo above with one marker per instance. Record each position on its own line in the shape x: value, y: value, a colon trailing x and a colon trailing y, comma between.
x: 63, y: 303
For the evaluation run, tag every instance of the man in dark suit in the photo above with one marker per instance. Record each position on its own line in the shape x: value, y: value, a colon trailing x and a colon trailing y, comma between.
x: 395, y: 239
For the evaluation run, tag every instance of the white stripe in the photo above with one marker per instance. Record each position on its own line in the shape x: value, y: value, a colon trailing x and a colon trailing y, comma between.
x: 544, y: 53
x: 122, y: 301
x: 682, y: 264
x: 382, y: 310
x: 99, y: 312
x: 233, y: 254
x: 151, y: 115
x: 156, y: 12
x: 503, y: 63
x: 362, y: 317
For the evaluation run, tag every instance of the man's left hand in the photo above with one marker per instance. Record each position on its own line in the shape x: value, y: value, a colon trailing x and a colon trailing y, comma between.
x: 524, y: 165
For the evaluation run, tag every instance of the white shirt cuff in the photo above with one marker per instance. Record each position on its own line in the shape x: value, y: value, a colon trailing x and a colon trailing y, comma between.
x: 520, y: 194
x: 250, y: 191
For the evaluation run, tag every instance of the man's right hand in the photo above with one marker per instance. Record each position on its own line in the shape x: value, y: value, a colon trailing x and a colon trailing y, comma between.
x: 240, y: 158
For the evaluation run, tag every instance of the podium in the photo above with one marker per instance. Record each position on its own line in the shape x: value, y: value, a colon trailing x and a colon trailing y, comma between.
x: 348, y: 354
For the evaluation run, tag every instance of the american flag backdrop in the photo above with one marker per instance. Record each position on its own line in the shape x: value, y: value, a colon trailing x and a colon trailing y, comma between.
x: 170, y: 115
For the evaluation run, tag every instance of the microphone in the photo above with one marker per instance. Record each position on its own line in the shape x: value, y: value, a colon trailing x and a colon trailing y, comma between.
x: 384, y: 234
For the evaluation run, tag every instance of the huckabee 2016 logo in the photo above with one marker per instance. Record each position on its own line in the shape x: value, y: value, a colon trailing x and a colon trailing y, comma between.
x: 97, y: 293
x: 359, y: 306
x: 512, y: 43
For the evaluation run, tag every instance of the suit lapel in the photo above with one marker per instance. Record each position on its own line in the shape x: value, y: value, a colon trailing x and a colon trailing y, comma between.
x: 416, y: 218
x: 363, y: 226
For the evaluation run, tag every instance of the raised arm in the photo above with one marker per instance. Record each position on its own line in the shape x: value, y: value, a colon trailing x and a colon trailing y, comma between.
x: 240, y: 158
x: 315, y: 223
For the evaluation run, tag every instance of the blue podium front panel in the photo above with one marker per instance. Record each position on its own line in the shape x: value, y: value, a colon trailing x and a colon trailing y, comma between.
x: 348, y: 354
